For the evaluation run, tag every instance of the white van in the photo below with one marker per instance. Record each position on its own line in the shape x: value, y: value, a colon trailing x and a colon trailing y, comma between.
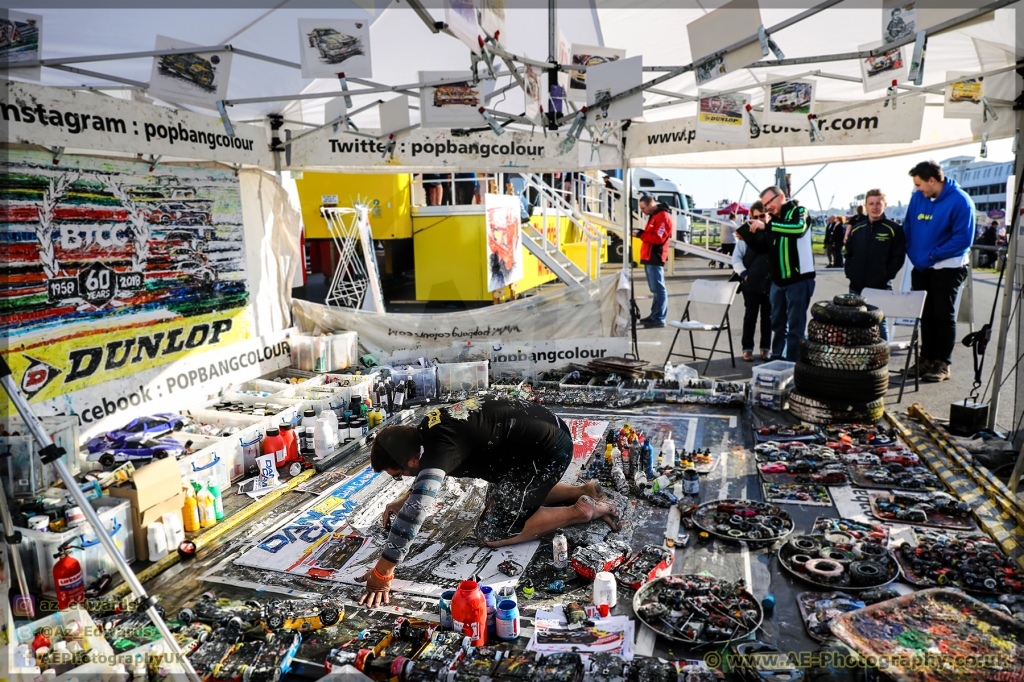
x: 664, y: 191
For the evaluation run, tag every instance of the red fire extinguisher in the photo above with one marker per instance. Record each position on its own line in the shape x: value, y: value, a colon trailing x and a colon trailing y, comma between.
x: 68, y: 578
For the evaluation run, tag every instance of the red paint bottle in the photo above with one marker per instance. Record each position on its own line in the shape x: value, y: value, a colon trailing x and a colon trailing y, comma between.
x: 290, y: 441
x: 469, y: 612
x: 274, y: 444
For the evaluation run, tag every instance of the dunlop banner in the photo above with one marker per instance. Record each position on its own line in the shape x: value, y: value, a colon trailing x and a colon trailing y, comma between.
x: 35, y: 114
x: 872, y: 123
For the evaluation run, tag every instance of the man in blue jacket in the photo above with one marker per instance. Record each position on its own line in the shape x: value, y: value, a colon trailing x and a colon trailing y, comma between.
x: 939, y: 230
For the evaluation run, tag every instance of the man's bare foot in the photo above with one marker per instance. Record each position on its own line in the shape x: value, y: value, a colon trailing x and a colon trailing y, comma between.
x: 594, y: 489
x: 612, y: 522
x: 593, y: 509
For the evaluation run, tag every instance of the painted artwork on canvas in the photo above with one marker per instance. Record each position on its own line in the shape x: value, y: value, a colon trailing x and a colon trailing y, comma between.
x: 21, y: 40
x: 332, y: 46
x: 114, y: 268
x: 899, y: 21
x: 504, y: 245
x: 197, y: 78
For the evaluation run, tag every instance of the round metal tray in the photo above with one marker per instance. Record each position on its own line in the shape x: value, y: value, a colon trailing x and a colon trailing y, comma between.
x: 706, y: 507
x: 668, y: 632
x: 783, y: 556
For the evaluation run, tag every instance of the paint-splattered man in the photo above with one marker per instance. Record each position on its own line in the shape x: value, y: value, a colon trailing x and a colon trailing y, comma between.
x: 520, y: 448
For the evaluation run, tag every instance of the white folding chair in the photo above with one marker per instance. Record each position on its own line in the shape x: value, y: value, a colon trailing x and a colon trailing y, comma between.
x: 709, y: 292
x: 896, y: 305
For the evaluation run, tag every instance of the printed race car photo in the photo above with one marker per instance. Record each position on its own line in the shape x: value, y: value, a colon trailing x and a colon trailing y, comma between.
x: 134, y: 449
x: 142, y: 427
x: 218, y: 611
x: 302, y: 614
x: 334, y: 47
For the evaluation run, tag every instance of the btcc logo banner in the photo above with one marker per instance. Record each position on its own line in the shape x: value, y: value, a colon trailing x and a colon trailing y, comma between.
x: 872, y: 123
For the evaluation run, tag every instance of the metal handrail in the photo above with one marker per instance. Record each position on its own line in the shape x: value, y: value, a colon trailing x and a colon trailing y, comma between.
x: 592, y: 237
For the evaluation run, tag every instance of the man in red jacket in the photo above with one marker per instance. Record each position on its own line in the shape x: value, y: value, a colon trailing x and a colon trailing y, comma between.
x: 653, y: 254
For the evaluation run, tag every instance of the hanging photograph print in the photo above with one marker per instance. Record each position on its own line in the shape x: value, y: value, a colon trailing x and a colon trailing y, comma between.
x: 963, y: 97
x: 723, y: 118
x: 492, y: 19
x: 879, y: 72
x: 200, y: 78
x: 504, y: 246
x: 460, y: 15
x: 606, y: 80
x: 21, y: 40
x: 454, y: 104
x: 531, y: 93
x: 732, y: 23
x: 115, y: 268
x: 588, y: 55
x: 788, y: 102
x: 710, y: 70
x: 899, y: 20
x: 332, y: 46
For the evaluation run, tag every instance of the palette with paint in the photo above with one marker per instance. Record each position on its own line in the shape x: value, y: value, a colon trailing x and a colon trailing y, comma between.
x: 969, y: 561
x: 743, y: 520
x: 937, y: 509
x: 836, y: 561
x: 810, y: 494
x: 819, y: 609
x: 698, y: 609
x: 936, y: 635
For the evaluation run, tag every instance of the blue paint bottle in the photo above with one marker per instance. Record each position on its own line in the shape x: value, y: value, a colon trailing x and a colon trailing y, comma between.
x: 492, y: 603
x: 648, y: 458
x: 444, y: 608
x: 506, y: 618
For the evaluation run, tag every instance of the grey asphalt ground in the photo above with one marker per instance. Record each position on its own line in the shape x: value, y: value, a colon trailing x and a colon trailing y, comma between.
x: 935, y: 398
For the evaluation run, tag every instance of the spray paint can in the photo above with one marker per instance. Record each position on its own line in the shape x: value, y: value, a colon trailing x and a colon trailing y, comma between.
x: 691, y: 482
x: 506, y: 618
x: 560, y: 550
x: 444, y: 609
x: 492, y: 602
x: 619, y: 479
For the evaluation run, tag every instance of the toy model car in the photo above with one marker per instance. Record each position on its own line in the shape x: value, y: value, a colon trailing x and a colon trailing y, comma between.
x: 644, y: 567
x: 825, y: 478
x: 133, y: 449
x: 801, y: 467
x: 191, y: 636
x: 302, y: 614
x: 588, y: 561
x: 560, y: 667
x: 242, y: 656
x: 774, y: 468
x: 862, y: 458
x: 275, y: 657
x: 442, y: 654
x: 210, y: 609
x: 215, y: 649
x: 142, y: 427
x: 906, y: 459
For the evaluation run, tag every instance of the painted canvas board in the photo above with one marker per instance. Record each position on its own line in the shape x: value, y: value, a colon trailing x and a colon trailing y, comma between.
x: 609, y: 79
x: 200, y: 78
x: 899, y: 20
x: 492, y: 20
x: 531, y: 93
x: 729, y: 24
x: 454, y: 104
x: 723, y: 118
x: 787, y: 102
x: 115, y: 268
x: 588, y: 55
x: 21, y: 40
x: 332, y: 46
x: 879, y: 72
x: 334, y: 109
x: 963, y: 97
x: 394, y: 115
x: 504, y: 243
x: 460, y: 15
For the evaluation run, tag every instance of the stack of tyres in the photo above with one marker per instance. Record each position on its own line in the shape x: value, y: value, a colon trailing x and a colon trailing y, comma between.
x: 843, y: 372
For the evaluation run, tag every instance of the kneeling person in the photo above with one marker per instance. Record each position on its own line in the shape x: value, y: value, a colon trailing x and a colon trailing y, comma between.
x: 521, y: 449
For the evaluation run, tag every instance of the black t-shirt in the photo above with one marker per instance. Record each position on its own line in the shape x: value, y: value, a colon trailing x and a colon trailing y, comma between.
x: 488, y: 437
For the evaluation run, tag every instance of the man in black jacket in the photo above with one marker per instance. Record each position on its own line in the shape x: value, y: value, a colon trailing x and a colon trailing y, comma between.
x: 875, y: 249
x: 751, y: 266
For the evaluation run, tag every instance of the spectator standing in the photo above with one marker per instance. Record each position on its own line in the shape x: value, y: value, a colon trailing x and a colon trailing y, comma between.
x: 752, y: 267
x: 875, y: 250
x: 432, y: 188
x: 653, y: 255
x: 727, y: 236
x: 467, y: 189
x: 988, y: 238
x: 939, y: 228
x: 838, y: 236
x: 829, y: 226
x: 791, y: 266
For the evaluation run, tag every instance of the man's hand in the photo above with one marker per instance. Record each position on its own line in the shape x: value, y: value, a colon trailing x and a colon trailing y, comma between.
x: 637, y: 232
x: 392, y: 508
x: 756, y: 225
x: 377, y: 593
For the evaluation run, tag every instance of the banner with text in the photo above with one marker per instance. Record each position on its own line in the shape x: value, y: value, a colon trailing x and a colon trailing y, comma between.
x: 431, y: 149
x: 54, y: 117
x: 872, y: 123
x: 113, y: 270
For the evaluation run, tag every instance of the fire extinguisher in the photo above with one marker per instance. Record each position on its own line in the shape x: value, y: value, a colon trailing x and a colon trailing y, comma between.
x: 68, y: 579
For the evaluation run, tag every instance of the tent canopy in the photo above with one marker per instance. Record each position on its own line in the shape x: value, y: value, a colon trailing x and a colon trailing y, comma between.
x: 734, y: 207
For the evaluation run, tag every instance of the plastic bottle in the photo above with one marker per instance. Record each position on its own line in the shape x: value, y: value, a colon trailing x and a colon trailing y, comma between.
x: 506, y: 621
x: 491, y: 603
x: 560, y: 550
x: 324, y: 437
x: 213, y: 486
x: 190, y: 510
x: 157, y: 541
x: 608, y: 454
x: 291, y: 443
x: 332, y: 418
x: 648, y: 459
x: 469, y: 613
x: 668, y: 452
x: 308, y: 418
x: 173, y: 529
x: 207, y: 512
x: 672, y: 528
x: 273, y: 444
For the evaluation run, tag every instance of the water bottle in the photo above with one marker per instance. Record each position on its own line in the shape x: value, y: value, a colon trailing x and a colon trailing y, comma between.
x: 560, y: 550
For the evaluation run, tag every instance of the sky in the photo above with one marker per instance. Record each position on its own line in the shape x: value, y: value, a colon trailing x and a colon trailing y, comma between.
x: 837, y: 184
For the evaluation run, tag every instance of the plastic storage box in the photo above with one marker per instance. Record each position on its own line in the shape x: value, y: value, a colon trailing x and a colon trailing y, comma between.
x: 772, y: 376
x: 97, y: 648
x: 236, y: 446
x: 26, y: 474
x: 462, y: 376
x: 425, y: 379
x: 772, y: 400
x: 210, y: 459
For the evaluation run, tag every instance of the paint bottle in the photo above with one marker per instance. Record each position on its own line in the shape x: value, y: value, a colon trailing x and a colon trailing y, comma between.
x: 291, y: 443
x: 668, y: 452
x: 207, y: 512
x: 324, y: 437
x: 648, y: 458
x: 469, y: 613
x: 274, y: 444
x: 691, y: 482
x: 506, y: 619
x: 308, y: 418
x: 608, y: 454
x: 560, y: 550
x: 605, y: 590
x: 491, y: 602
x: 619, y: 479
x: 444, y: 609
x: 213, y: 486
x: 332, y: 417
x: 173, y: 529
x: 190, y: 510
x: 672, y: 528
x: 156, y: 540
x: 507, y: 592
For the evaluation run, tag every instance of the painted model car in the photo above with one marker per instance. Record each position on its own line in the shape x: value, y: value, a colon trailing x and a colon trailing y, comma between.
x: 142, y: 427
x: 192, y: 635
x: 180, y: 214
x: 275, y: 658
x: 907, y: 459
x: 191, y: 67
x: 215, y: 649
x: 774, y: 468
x: 456, y: 93
x: 439, y: 657
x: 135, y: 449
x: 302, y: 614
x: 862, y: 458
x: 241, y: 657
x: 648, y: 564
x: 215, y: 611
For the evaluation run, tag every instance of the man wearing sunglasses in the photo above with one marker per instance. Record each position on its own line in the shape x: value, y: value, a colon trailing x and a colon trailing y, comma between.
x: 521, y: 449
x: 791, y: 266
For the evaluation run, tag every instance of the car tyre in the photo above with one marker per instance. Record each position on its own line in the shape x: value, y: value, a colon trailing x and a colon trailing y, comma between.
x: 186, y: 616
x: 850, y: 358
x: 329, y: 616
x: 813, y: 411
x: 107, y: 461
x: 275, y: 620
x: 838, y: 384
x: 160, y: 454
x: 850, y: 316
x: 840, y: 335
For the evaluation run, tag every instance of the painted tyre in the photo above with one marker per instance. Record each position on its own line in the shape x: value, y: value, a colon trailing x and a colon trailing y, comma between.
x: 840, y: 335
x: 838, y: 384
x: 850, y: 316
x: 850, y: 301
x: 814, y: 411
x: 851, y: 358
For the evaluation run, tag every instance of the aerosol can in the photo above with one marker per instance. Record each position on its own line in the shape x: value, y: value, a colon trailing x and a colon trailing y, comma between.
x: 67, y: 578
x: 560, y: 550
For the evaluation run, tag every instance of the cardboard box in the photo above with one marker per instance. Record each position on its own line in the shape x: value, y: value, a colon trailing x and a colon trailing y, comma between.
x: 157, y: 490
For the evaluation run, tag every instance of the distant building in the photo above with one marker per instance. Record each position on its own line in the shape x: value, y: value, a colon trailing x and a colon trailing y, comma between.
x: 985, y: 181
